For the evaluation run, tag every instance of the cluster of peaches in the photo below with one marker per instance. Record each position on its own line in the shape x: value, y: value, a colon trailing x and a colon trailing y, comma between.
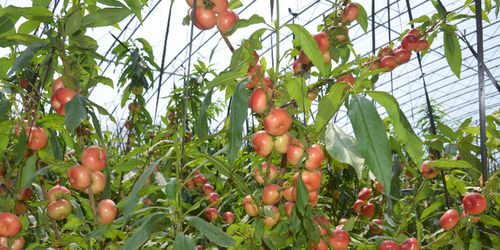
x: 212, y: 213
x: 60, y: 96
x: 322, y: 39
x: 366, y: 208
x: 88, y: 178
x: 338, y: 239
x: 275, y: 137
x: 390, y: 58
x: 10, y: 225
x: 209, y: 13
x: 473, y: 203
x: 37, y: 137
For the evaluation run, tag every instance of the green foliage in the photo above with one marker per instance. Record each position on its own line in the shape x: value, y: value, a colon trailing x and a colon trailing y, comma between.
x: 75, y: 112
x: 142, y: 233
x: 362, y: 18
x: 452, y: 50
x: 156, y: 172
x: 239, y: 109
x: 307, y: 43
x: 242, y: 23
x: 371, y: 138
x: 210, y: 231
x: 183, y: 242
x: 105, y: 17
x: 342, y: 147
x: 25, y: 57
x: 328, y: 106
x: 402, y: 127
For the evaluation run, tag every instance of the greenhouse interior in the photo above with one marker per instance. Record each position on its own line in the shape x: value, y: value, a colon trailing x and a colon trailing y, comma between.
x: 249, y: 124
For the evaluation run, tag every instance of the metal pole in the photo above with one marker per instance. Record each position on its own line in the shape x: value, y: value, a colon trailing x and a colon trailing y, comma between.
x: 482, y: 112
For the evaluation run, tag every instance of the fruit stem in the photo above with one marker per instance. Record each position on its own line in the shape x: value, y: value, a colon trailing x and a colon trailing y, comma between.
x: 92, y: 203
x: 229, y: 45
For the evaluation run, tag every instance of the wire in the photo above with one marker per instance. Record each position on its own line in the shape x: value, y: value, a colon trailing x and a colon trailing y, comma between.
x: 164, y: 53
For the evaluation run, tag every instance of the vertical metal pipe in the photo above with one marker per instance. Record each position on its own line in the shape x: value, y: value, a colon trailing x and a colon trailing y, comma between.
x: 374, y: 46
x: 482, y: 112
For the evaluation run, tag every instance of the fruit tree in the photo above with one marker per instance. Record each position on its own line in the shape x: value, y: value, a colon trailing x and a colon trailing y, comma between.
x: 296, y: 145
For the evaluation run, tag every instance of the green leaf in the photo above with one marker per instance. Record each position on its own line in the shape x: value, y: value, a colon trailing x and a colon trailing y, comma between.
x: 105, y: 17
x: 114, y: 3
x: 311, y: 49
x: 142, y: 233
x: 450, y: 164
x: 239, y: 111
x: 202, y: 128
x: 31, y: 13
x: 5, y: 132
x: 223, y: 78
x: 54, y: 143
x: 42, y: 3
x: 171, y: 188
x: 21, y: 147
x: 259, y: 230
x: 476, y: 241
x: 102, y: 110
x: 234, y: 4
x: 97, y: 126
x: 73, y: 223
x: 453, y: 52
x: 75, y: 112
x: 133, y: 198
x: 28, y: 27
x: 127, y: 166
x: 456, y: 184
x: 457, y: 242
x: 402, y: 127
x: 136, y: 7
x: 182, y: 242
x: 497, y: 8
x: 146, y: 46
x: 275, y: 239
x: 6, y: 24
x: 486, y: 219
x: 342, y: 147
x: 213, y: 233
x: 242, y: 23
x: 7, y: 39
x: 5, y: 65
x: 28, y: 171
x: 73, y: 22
x: 362, y: 17
x: 297, y: 89
x: 302, y: 195
x: 25, y: 57
x: 421, y: 19
x: 329, y: 105
x: 423, y: 191
x: 430, y: 209
x: 371, y: 138
x: 223, y: 168
x: 350, y: 224
x: 440, y: 8
x: 447, y: 131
